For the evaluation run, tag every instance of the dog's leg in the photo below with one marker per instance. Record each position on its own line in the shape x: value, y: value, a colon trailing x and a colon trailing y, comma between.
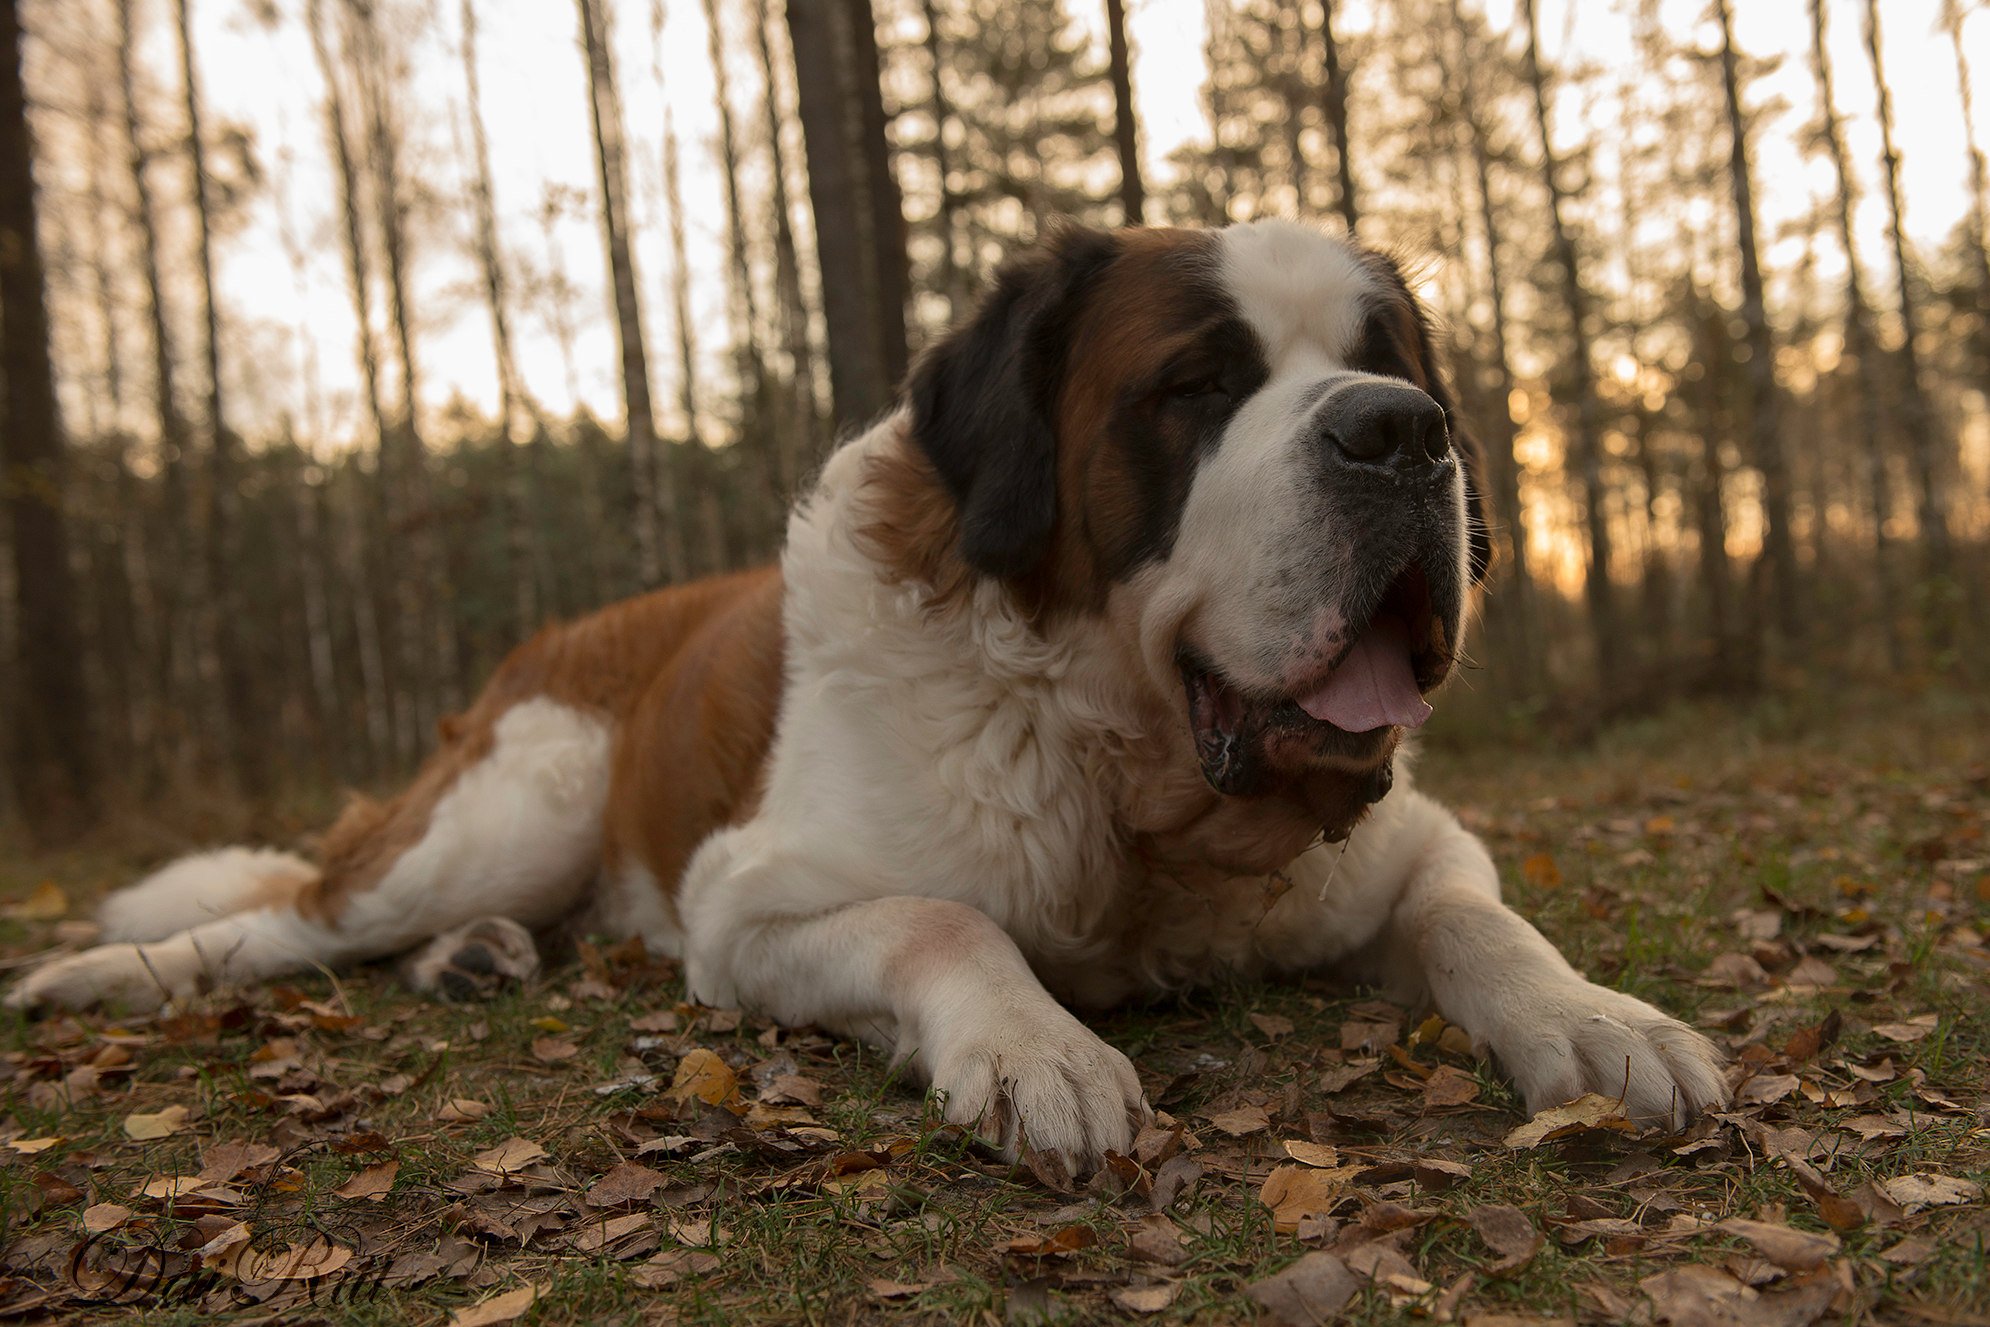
x: 507, y: 826
x: 1490, y: 972
x: 936, y: 982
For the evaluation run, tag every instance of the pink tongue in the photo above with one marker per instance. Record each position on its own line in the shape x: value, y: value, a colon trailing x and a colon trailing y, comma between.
x: 1374, y: 687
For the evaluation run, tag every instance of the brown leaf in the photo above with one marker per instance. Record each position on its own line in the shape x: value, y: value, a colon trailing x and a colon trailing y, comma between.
x: 1908, y: 1030
x: 673, y: 1265
x: 1241, y: 1122
x: 1059, y: 1242
x: 662, y: 1020
x: 553, y: 1050
x: 1586, y: 1112
x: 512, y: 1155
x: 1145, y: 1299
x: 704, y: 1076
x: 1914, y: 1192
x: 1312, y: 1154
x: 497, y: 1309
x: 100, y: 1217
x: 1790, y: 1249
x: 45, y: 903
x: 162, y: 1124
x: 1273, y: 1026
x: 1293, y: 1192
x: 1509, y: 1233
x: 1343, y: 1076
x: 1173, y: 1181
x: 1448, y: 1086
x: 462, y: 1110
x: 1156, y: 1240
x: 1697, y: 1296
x: 372, y: 1183
x: 625, y: 1183
x: 296, y: 1262
x: 1766, y: 1089
x: 597, y: 1235
x: 793, y: 1089
x: 1309, y: 1293
x: 1540, y: 870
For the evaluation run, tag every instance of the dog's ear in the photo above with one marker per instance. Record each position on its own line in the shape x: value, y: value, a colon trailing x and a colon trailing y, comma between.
x: 984, y: 401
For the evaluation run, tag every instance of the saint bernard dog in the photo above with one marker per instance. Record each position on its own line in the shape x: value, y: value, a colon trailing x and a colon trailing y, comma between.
x: 1086, y: 675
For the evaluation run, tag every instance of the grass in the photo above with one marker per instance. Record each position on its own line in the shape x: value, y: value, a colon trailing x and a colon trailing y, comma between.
x: 1656, y: 856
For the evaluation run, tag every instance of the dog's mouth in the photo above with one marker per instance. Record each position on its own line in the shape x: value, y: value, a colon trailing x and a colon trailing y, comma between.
x: 1349, y: 714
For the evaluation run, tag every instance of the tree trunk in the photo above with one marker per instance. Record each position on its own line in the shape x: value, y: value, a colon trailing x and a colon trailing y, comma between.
x: 658, y: 552
x: 390, y: 721
x: 52, y: 751
x: 1710, y: 508
x: 515, y: 417
x: 1926, y: 439
x: 240, y: 693
x: 1979, y: 193
x: 800, y: 443
x: 946, y: 214
x: 174, y: 662
x: 859, y: 227
x: 1503, y: 462
x: 1765, y: 400
x: 1334, y: 102
x: 1860, y: 345
x: 1125, y: 128
x: 1584, y: 442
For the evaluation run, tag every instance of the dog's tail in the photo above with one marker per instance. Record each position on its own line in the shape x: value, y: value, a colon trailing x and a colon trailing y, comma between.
x: 202, y: 888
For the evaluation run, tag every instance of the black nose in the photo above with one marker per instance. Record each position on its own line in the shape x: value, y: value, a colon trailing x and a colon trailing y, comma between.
x: 1384, y: 422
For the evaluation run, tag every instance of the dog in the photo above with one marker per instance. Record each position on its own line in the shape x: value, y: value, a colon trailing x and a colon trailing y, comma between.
x: 1087, y: 674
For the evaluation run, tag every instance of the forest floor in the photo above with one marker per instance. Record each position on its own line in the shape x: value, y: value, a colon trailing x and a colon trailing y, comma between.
x: 1809, y: 883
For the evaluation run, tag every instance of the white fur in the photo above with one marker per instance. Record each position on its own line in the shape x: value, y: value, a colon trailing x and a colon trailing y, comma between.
x: 516, y: 836
x: 196, y: 889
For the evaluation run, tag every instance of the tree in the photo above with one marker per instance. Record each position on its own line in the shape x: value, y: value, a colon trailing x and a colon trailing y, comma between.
x: 1861, y: 345
x: 656, y: 555
x: 1125, y: 130
x: 52, y: 750
x: 1927, y: 440
x: 859, y: 228
x: 1584, y: 443
x: 1765, y: 400
x: 239, y: 690
x: 1333, y: 91
x: 1952, y: 16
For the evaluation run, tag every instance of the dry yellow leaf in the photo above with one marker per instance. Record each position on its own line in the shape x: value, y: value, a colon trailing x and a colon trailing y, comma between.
x: 703, y: 1075
x: 161, y: 1124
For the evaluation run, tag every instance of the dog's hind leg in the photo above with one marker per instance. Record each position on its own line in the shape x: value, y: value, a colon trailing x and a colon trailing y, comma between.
x: 504, y: 820
x: 472, y: 961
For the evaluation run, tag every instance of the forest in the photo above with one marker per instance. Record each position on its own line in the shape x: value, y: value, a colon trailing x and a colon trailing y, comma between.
x: 250, y: 554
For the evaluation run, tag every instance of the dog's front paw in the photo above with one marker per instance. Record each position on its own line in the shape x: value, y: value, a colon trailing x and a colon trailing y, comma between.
x: 1589, y: 1038
x: 106, y: 974
x: 1047, y: 1084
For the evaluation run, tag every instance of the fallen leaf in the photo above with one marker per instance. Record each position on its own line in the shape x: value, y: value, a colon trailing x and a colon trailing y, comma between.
x: 1293, y: 1192
x: 100, y: 1217
x: 296, y: 1262
x: 1059, y: 1242
x: 462, y: 1110
x: 1907, y: 1030
x: 1312, y: 1154
x: 673, y: 1265
x: 625, y: 1183
x: 162, y: 1124
x: 45, y: 903
x: 27, y: 1147
x: 792, y: 1089
x: 1156, y: 1240
x: 1273, y: 1026
x: 888, y: 1289
x: 596, y: 1236
x: 662, y: 1020
x: 1145, y: 1299
x: 1766, y: 1089
x: 1586, y: 1112
x: 497, y: 1309
x: 1309, y: 1293
x: 553, y: 1050
x: 1790, y: 1249
x: 1449, y: 1086
x: 513, y: 1154
x: 1914, y: 1192
x: 703, y: 1075
x: 224, y: 1161
x: 1540, y: 870
x: 372, y: 1183
x: 1509, y: 1233
x: 1241, y: 1122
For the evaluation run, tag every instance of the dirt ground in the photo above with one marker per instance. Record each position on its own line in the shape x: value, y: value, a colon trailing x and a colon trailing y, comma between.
x: 1809, y: 882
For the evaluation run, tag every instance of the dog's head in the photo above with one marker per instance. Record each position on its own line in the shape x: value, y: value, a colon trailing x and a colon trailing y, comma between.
x: 1246, y: 435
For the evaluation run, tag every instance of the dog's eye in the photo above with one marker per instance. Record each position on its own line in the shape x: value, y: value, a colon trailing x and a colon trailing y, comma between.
x: 1198, y: 390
